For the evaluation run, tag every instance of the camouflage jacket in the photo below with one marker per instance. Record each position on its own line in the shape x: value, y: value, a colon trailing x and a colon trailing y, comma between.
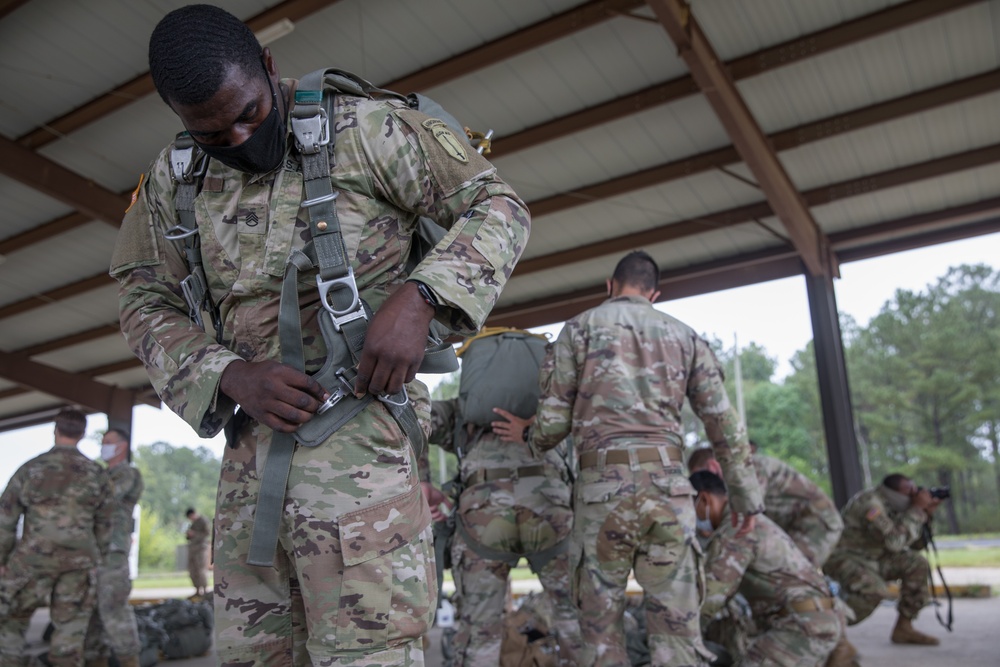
x: 388, y: 169
x: 764, y: 565
x: 789, y: 495
x: 126, y: 484
x: 67, y: 504
x: 198, y: 532
x: 872, y: 529
x: 619, y: 374
x: 480, y: 448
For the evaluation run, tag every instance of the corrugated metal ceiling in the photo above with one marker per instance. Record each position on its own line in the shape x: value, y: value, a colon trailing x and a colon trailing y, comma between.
x: 59, y: 56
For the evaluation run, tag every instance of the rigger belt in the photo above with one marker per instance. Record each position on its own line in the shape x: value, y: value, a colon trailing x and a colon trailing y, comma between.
x: 666, y: 454
x: 807, y: 605
x: 493, y: 474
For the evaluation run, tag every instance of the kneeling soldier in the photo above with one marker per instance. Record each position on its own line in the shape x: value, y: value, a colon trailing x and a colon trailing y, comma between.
x: 800, y: 622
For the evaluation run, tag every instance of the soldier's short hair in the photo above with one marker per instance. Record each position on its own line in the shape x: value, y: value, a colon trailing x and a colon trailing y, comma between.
x: 192, y: 48
x: 120, y: 432
x: 71, y: 423
x: 708, y: 482
x: 894, y: 481
x: 189, y: 512
x: 638, y: 270
x: 699, y: 458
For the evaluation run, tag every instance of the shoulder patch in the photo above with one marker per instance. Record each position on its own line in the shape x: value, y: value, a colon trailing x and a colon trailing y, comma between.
x: 135, y: 193
x: 443, y: 134
x: 873, y: 513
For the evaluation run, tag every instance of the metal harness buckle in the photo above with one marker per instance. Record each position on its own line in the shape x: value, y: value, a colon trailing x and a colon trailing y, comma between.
x: 312, y: 132
x: 184, y: 167
x: 352, y: 312
x: 387, y: 399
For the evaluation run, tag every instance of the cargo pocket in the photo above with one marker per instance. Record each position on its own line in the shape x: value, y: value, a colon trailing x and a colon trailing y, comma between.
x: 386, y: 592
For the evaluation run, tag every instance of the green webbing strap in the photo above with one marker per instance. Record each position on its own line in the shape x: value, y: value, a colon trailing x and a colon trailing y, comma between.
x: 339, y: 294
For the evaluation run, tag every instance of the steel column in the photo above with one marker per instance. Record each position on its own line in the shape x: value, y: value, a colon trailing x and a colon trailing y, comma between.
x: 834, y: 392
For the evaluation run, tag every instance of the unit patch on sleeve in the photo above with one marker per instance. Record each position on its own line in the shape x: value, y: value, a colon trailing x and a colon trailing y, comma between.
x: 873, y: 514
x: 444, y: 136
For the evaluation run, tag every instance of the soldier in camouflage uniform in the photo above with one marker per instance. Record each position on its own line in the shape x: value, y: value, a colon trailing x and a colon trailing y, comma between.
x: 512, y: 505
x: 198, y: 535
x: 799, y: 621
x: 113, y: 624
x: 620, y: 373
x: 65, y: 499
x: 880, y: 525
x: 353, y: 579
x: 791, y: 500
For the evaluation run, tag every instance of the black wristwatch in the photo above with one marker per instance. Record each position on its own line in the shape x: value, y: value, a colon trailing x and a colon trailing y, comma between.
x: 426, y: 294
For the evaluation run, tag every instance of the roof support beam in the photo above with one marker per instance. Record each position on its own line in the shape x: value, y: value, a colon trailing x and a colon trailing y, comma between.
x: 742, y: 214
x: 57, y: 294
x: 714, y: 81
x: 42, y: 174
x: 831, y: 126
x: 766, y: 265
x: 103, y: 331
x: 70, y: 386
x: 516, y: 43
x: 142, y: 85
x: 765, y: 60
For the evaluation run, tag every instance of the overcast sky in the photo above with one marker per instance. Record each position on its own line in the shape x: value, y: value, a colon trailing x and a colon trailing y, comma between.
x: 774, y: 315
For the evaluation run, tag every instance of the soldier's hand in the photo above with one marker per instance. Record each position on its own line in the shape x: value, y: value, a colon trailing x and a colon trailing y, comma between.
x: 395, y: 343
x: 435, y: 497
x: 274, y: 394
x: 511, y: 430
x: 749, y: 523
x: 922, y: 499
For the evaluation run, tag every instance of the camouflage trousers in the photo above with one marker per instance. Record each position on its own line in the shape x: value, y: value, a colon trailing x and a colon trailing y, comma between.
x: 353, y: 581
x: 799, y: 639
x: 863, y: 582
x: 638, y: 517
x: 113, y: 623
x: 198, y: 564
x: 522, y: 516
x: 70, y: 598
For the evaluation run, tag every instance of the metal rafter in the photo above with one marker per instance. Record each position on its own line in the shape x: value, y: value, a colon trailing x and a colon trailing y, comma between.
x: 719, y: 88
x: 765, y: 60
x: 103, y: 331
x: 841, y: 123
x: 516, y: 43
x: 71, y: 386
x: 882, y: 239
x: 142, y: 85
x: 741, y: 214
x: 56, y: 294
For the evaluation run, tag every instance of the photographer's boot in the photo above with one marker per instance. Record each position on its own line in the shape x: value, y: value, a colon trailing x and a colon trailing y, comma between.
x: 844, y: 655
x: 905, y: 633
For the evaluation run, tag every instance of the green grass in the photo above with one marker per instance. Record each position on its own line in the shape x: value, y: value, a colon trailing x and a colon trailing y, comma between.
x: 969, y: 557
x: 970, y: 536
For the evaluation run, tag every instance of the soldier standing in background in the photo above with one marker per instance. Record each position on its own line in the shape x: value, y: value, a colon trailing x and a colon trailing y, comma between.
x: 67, y: 504
x: 513, y: 505
x: 113, y: 624
x: 798, y: 620
x: 198, y: 535
x: 620, y: 374
x: 880, y: 525
x: 791, y: 500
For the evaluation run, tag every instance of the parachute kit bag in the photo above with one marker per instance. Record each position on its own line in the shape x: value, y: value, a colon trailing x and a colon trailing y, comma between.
x: 500, y: 370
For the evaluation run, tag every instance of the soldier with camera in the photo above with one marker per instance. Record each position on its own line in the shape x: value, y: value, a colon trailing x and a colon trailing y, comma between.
x: 881, y: 527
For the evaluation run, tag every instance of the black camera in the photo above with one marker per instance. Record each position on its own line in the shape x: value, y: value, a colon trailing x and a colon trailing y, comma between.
x: 940, y: 492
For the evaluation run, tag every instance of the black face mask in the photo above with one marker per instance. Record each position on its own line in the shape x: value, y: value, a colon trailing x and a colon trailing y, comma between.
x: 263, y: 151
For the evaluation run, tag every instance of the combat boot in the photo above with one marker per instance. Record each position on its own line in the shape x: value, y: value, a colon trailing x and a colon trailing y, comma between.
x: 128, y: 660
x: 844, y: 655
x: 905, y: 633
